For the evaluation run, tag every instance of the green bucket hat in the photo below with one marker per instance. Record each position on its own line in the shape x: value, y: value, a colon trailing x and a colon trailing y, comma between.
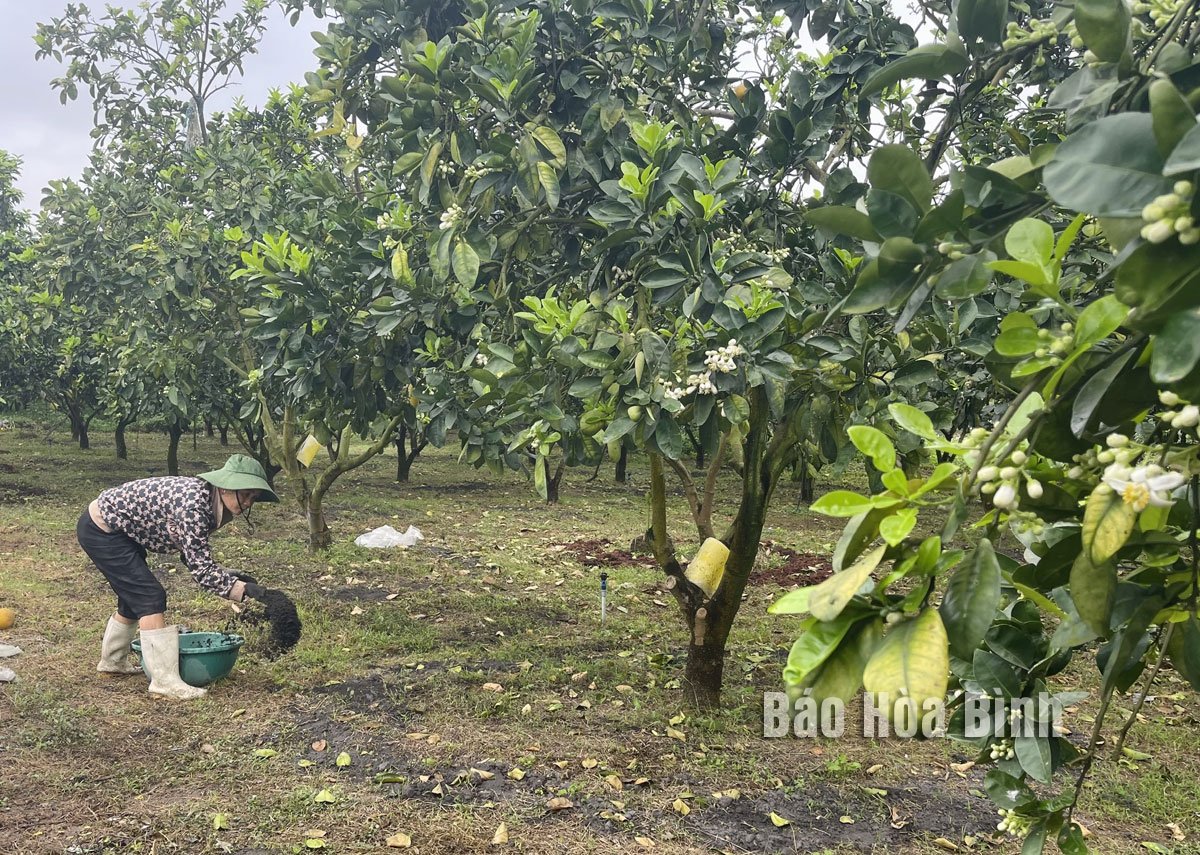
x: 241, y: 473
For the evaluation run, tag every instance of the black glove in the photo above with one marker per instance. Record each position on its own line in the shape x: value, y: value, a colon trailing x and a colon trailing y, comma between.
x: 254, y: 591
x: 245, y: 577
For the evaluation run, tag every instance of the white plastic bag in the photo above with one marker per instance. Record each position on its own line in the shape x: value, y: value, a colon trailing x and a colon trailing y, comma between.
x: 386, y: 537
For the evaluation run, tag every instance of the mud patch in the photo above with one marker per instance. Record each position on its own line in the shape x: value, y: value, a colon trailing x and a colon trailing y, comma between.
x: 8, y: 469
x: 602, y: 553
x: 822, y: 816
x: 441, y: 553
x: 784, y: 567
x: 15, y: 494
x: 370, y: 694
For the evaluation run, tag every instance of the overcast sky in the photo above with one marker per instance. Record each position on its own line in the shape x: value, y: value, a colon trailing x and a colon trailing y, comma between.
x: 52, y: 139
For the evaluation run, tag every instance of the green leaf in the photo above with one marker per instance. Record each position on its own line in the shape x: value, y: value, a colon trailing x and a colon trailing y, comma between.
x: 1071, y: 842
x: 551, y: 141
x: 841, y: 675
x: 1093, y: 590
x: 1006, y: 790
x: 1184, y: 650
x: 971, y: 599
x: 827, y: 599
x: 429, y: 164
x: 466, y: 263
x: 967, y: 277
x: 816, y: 643
x: 1099, y: 320
x: 400, y: 269
x: 859, y: 533
x: 898, y: 526
x: 1107, y: 523
x: 1174, y: 119
x: 1019, y: 341
x: 911, y: 666
x: 982, y: 19
x: 1030, y: 240
x: 1176, y: 348
x: 1110, y: 167
x: 913, y: 420
x: 343, y: 760
x: 1185, y: 156
x: 843, y: 220
x: 325, y: 797
x: 929, y: 62
x: 549, y: 181
x: 1034, y: 274
x: 1033, y: 753
x: 874, y: 444
x: 898, y: 169
x: 668, y: 437
x: 841, y: 503
x: 792, y: 603
x: 1104, y: 27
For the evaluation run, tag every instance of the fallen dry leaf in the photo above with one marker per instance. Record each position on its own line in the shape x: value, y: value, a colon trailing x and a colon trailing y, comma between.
x: 680, y: 807
x: 943, y: 843
x: 1176, y: 833
x: 483, y: 774
x: 516, y: 773
x: 644, y: 842
x: 399, y: 840
x: 778, y: 821
x: 492, y: 687
x: 871, y: 770
x: 319, y: 745
x: 676, y: 734
x: 559, y: 803
x: 614, y: 783
x: 501, y: 835
x: 590, y: 763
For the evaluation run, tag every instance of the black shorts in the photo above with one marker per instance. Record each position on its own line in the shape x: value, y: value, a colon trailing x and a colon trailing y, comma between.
x: 122, y: 560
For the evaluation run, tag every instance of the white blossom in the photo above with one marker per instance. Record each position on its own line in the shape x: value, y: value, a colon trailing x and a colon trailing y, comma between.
x: 1144, y: 486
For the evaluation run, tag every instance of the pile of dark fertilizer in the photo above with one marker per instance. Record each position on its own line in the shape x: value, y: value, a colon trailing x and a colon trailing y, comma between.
x: 276, y: 610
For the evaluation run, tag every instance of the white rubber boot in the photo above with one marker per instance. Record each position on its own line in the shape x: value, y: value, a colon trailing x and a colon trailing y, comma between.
x: 160, y: 652
x: 114, y: 650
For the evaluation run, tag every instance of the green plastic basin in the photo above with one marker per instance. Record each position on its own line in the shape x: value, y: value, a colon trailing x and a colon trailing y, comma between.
x: 204, y: 657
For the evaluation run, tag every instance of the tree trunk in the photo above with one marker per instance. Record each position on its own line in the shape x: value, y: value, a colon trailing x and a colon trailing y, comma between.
x: 119, y: 437
x: 553, y: 482
x: 175, y: 431
x: 208, y: 428
x: 84, y: 442
x: 704, y: 673
x: 223, y: 429
x: 319, y: 536
x: 622, y: 474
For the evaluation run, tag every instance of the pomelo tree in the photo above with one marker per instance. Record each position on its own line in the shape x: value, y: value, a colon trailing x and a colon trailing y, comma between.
x: 615, y: 215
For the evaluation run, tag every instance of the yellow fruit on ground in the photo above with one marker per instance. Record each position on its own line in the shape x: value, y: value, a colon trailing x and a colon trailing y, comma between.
x: 7, y: 618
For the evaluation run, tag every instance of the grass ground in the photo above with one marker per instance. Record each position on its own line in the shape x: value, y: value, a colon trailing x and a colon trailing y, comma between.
x: 468, y: 682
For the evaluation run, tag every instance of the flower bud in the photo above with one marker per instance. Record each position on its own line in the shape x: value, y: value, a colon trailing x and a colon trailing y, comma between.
x: 1019, y: 457
x: 1183, y: 188
x: 1106, y: 457
x: 1008, y: 473
x: 1005, y: 497
x: 1168, y: 398
x: 1158, y: 232
x: 1116, y: 440
x: 1034, y: 488
x: 1188, y: 417
x: 988, y: 473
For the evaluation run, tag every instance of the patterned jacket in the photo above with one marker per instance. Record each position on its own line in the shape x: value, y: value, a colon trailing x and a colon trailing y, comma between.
x: 167, y: 515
